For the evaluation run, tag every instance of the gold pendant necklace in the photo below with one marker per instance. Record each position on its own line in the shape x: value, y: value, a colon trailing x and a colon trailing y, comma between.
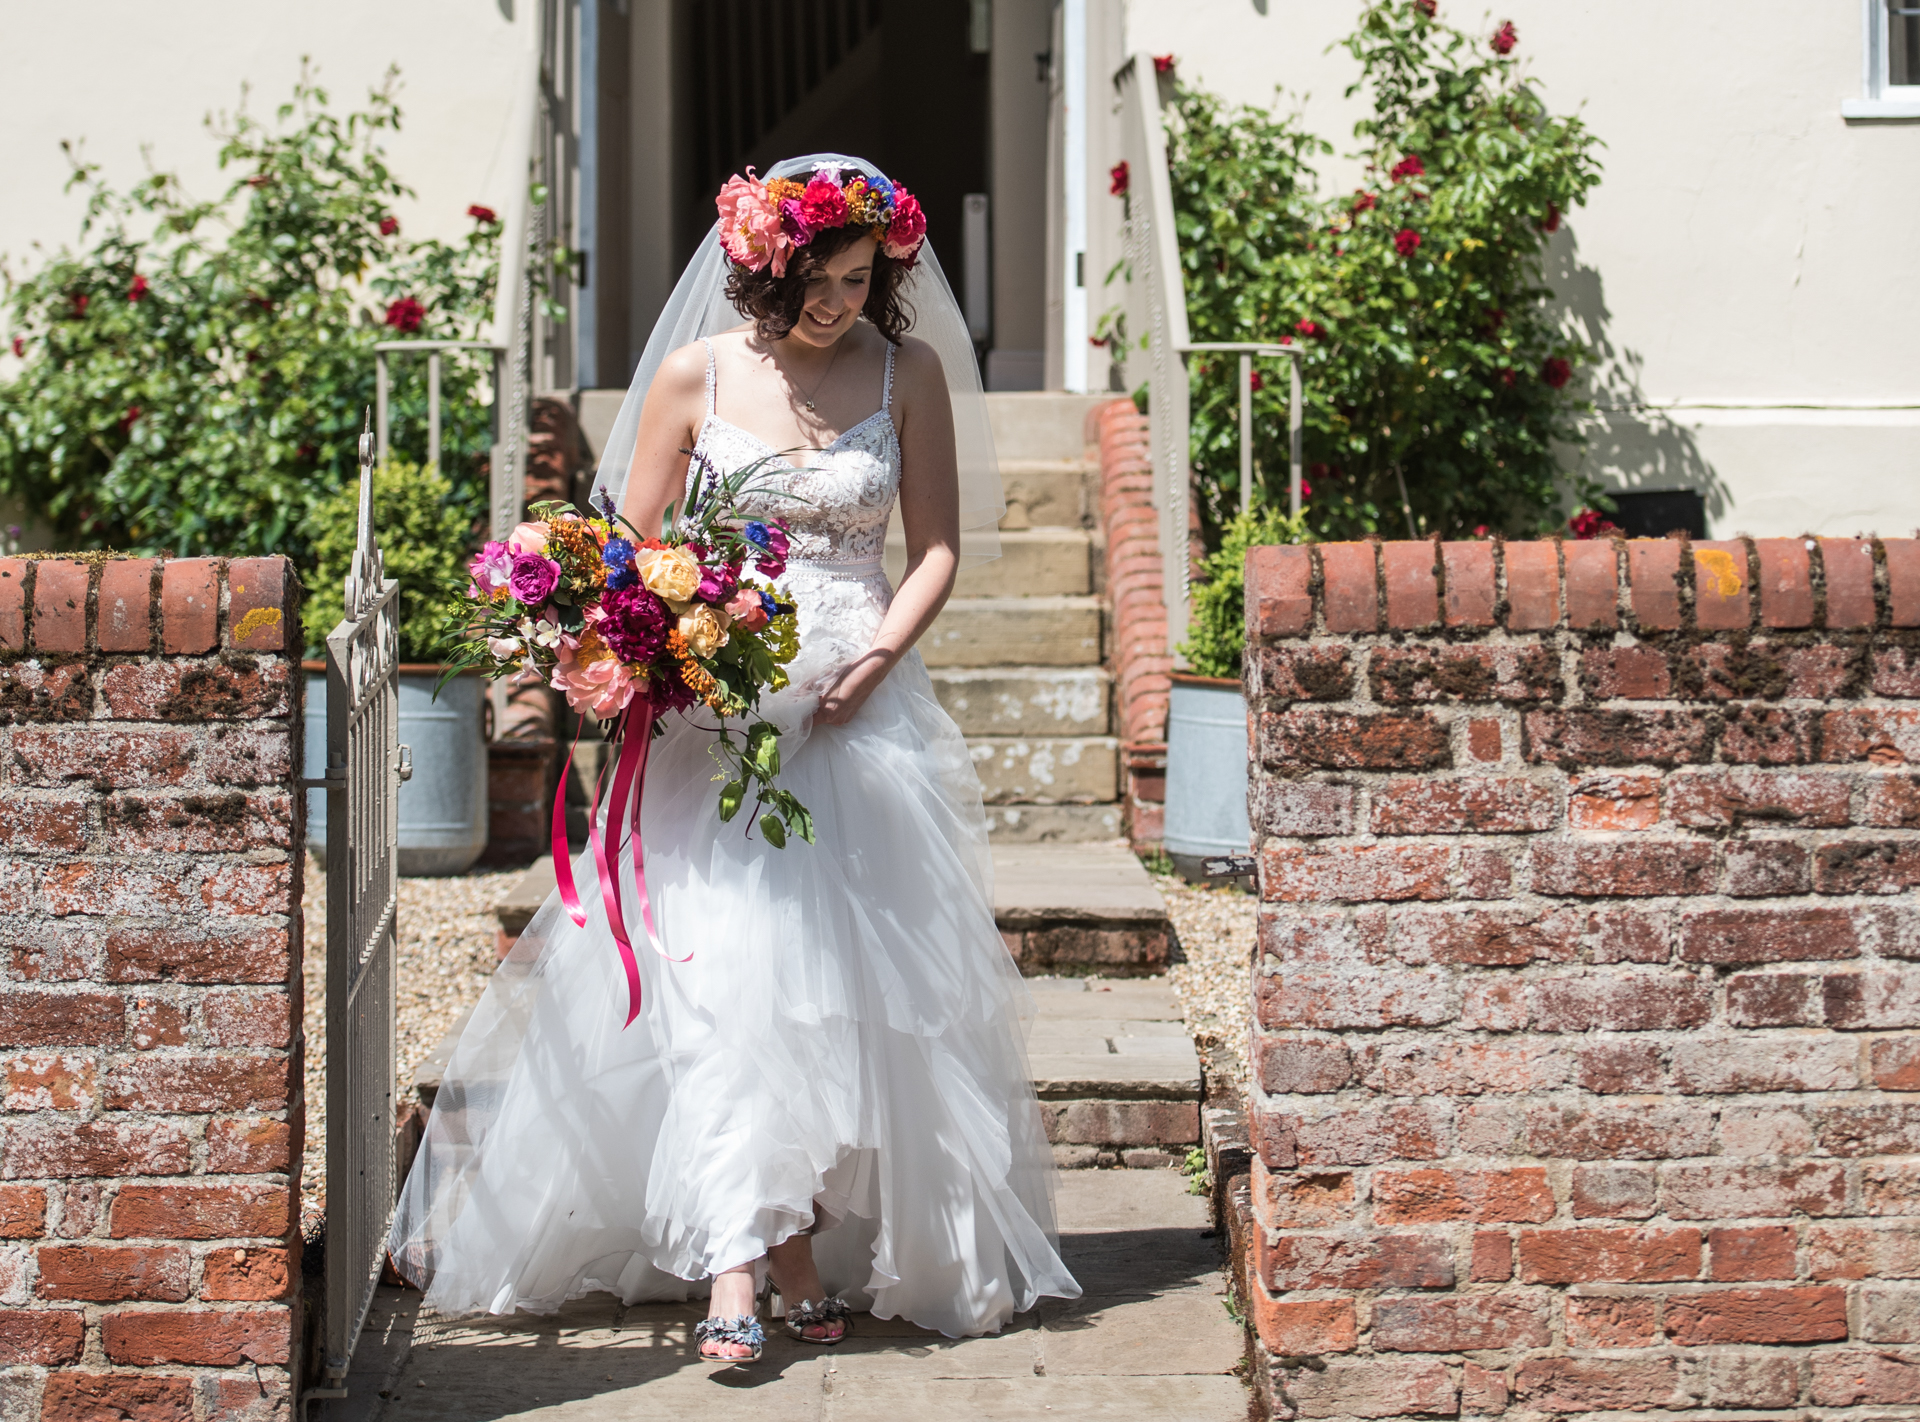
x: 807, y: 400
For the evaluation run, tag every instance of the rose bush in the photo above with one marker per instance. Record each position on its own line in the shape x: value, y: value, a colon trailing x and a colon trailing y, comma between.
x: 1433, y: 360
x: 193, y: 373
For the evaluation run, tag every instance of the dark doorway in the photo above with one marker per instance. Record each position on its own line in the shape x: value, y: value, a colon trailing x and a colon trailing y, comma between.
x: 894, y: 81
x: 1654, y: 513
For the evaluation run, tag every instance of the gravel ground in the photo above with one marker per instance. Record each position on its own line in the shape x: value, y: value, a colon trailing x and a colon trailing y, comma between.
x: 1215, y: 928
x: 445, y: 957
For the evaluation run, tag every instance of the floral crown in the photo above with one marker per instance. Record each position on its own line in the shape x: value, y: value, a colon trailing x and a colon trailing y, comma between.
x: 763, y: 224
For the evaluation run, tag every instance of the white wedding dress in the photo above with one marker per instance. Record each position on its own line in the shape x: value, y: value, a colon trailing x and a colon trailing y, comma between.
x: 844, y: 1050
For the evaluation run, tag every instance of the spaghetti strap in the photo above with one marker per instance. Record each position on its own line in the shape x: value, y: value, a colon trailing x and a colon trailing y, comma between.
x: 886, y: 390
x: 709, y: 345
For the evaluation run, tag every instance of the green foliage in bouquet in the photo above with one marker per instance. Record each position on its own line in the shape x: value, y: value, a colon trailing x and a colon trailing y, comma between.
x: 423, y: 532
x: 192, y: 375
x: 1434, y: 362
x: 1218, y: 631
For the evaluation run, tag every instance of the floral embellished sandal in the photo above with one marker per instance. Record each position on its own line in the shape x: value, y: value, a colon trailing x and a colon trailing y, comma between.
x: 808, y: 1314
x: 742, y: 1329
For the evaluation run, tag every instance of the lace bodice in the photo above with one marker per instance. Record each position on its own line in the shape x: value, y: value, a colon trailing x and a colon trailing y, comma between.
x: 836, y: 506
x: 838, y: 529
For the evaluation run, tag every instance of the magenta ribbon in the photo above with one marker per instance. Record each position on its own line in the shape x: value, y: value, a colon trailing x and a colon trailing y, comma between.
x: 629, y: 778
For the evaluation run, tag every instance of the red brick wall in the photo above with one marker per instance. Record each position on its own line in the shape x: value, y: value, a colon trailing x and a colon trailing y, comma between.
x: 150, y: 866
x: 1588, y: 977
x: 1135, y: 589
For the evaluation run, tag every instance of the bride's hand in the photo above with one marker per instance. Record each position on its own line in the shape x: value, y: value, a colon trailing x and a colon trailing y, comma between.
x: 846, y: 696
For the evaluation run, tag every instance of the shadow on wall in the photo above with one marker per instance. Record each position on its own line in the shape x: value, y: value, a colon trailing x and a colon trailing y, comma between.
x: 1629, y: 446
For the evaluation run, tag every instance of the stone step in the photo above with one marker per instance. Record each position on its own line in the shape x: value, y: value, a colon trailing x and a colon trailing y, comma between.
x: 1053, y: 824
x: 1043, y: 492
x: 1009, y: 701
x: 1114, y: 1069
x: 1015, y: 631
x: 1033, y: 562
x: 1033, y: 770
x: 1041, y: 424
x: 1079, y: 907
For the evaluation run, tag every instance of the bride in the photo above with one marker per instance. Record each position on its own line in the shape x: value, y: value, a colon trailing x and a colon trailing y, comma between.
x: 830, y: 1095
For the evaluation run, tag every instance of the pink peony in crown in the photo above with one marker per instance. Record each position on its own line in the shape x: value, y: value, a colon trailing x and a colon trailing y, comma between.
x: 762, y: 224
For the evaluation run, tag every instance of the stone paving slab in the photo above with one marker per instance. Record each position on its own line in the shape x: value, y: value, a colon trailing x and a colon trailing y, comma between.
x: 1089, y: 883
x: 1150, y: 1338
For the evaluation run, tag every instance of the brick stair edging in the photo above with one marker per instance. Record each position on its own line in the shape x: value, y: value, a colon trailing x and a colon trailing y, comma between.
x: 150, y: 969
x: 1588, y: 968
x: 1134, y: 588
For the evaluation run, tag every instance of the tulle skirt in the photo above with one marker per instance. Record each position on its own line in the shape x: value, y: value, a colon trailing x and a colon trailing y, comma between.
x: 843, y: 1052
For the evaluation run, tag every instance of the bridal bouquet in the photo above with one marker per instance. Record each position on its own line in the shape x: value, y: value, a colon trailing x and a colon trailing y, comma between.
x: 629, y: 628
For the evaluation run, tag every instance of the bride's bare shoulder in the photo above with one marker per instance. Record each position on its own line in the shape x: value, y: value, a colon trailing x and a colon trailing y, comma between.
x: 917, y: 369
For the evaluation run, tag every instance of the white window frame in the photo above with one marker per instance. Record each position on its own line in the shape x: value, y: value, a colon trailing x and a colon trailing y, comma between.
x: 1880, y: 100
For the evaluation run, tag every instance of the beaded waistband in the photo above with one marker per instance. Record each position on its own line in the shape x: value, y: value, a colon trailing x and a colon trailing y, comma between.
x: 838, y: 567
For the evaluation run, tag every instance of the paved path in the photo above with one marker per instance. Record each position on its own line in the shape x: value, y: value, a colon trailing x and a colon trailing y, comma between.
x: 1150, y: 1339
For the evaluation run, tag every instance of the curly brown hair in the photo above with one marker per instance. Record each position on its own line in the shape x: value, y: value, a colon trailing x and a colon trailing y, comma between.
x: 773, y: 303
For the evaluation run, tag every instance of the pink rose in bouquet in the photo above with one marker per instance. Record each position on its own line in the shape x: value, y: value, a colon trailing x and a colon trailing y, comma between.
x: 528, y: 538
x: 594, y: 679
x: 533, y: 579
x: 745, y: 609
x: 490, y: 570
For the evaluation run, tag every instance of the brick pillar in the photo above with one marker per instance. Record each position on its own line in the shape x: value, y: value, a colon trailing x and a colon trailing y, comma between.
x: 150, y: 864
x: 1141, y: 661
x: 1588, y: 977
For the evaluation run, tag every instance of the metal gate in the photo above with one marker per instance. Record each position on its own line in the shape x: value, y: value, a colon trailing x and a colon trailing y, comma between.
x: 365, y: 765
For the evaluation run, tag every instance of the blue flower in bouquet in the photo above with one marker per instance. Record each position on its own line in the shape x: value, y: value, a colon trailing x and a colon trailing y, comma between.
x: 772, y: 607
x: 618, y: 556
x: 755, y: 533
x: 774, y: 562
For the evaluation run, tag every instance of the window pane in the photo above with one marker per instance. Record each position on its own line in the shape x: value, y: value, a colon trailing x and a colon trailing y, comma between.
x: 1903, y: 41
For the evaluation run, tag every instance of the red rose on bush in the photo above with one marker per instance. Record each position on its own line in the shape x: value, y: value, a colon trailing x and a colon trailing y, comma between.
x: 1590, y: 523
x: 1364, y: 202
x: 127, y: 420
x: 138, y: 289
x: 1163, y: 64
x: 479, y: 214
x: 1556, y: 372
x: 389, y: 226
x: 20, y: 346
x: 1408, y: 167
x: 80, y: 300
x: 406, y: 314
x: 1119, y: 177
x: 1505, y: 38
x: 1509, y: 377
x: 1406, y: 241
x: 1429, y: 8
x: 1312, y: 330
x: 1552, y: 222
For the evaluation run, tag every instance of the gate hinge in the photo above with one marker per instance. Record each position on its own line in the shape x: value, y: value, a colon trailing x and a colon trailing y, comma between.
x: 1230, y: 866
x: 335, y: 779
x: 403, y: 765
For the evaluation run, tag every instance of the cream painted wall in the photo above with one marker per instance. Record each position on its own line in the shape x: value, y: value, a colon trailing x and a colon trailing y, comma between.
x: 1746, y: 247
x: 120, y: 74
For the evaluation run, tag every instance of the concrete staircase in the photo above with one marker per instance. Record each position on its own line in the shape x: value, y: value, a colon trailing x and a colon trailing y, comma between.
x: 1016, y: 655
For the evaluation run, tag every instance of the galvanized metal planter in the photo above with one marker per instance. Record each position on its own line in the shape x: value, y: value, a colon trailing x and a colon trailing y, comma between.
x: 443, y: 808
x: 1206, y: 772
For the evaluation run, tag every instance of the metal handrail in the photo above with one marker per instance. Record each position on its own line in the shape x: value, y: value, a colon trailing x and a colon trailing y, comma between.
x: 1156, y: 306
x: 431, y: 349
x: 1248, y: 350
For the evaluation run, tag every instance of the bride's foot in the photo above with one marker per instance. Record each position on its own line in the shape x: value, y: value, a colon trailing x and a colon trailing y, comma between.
x: 810, y: 1316
x: 730, y: 1332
